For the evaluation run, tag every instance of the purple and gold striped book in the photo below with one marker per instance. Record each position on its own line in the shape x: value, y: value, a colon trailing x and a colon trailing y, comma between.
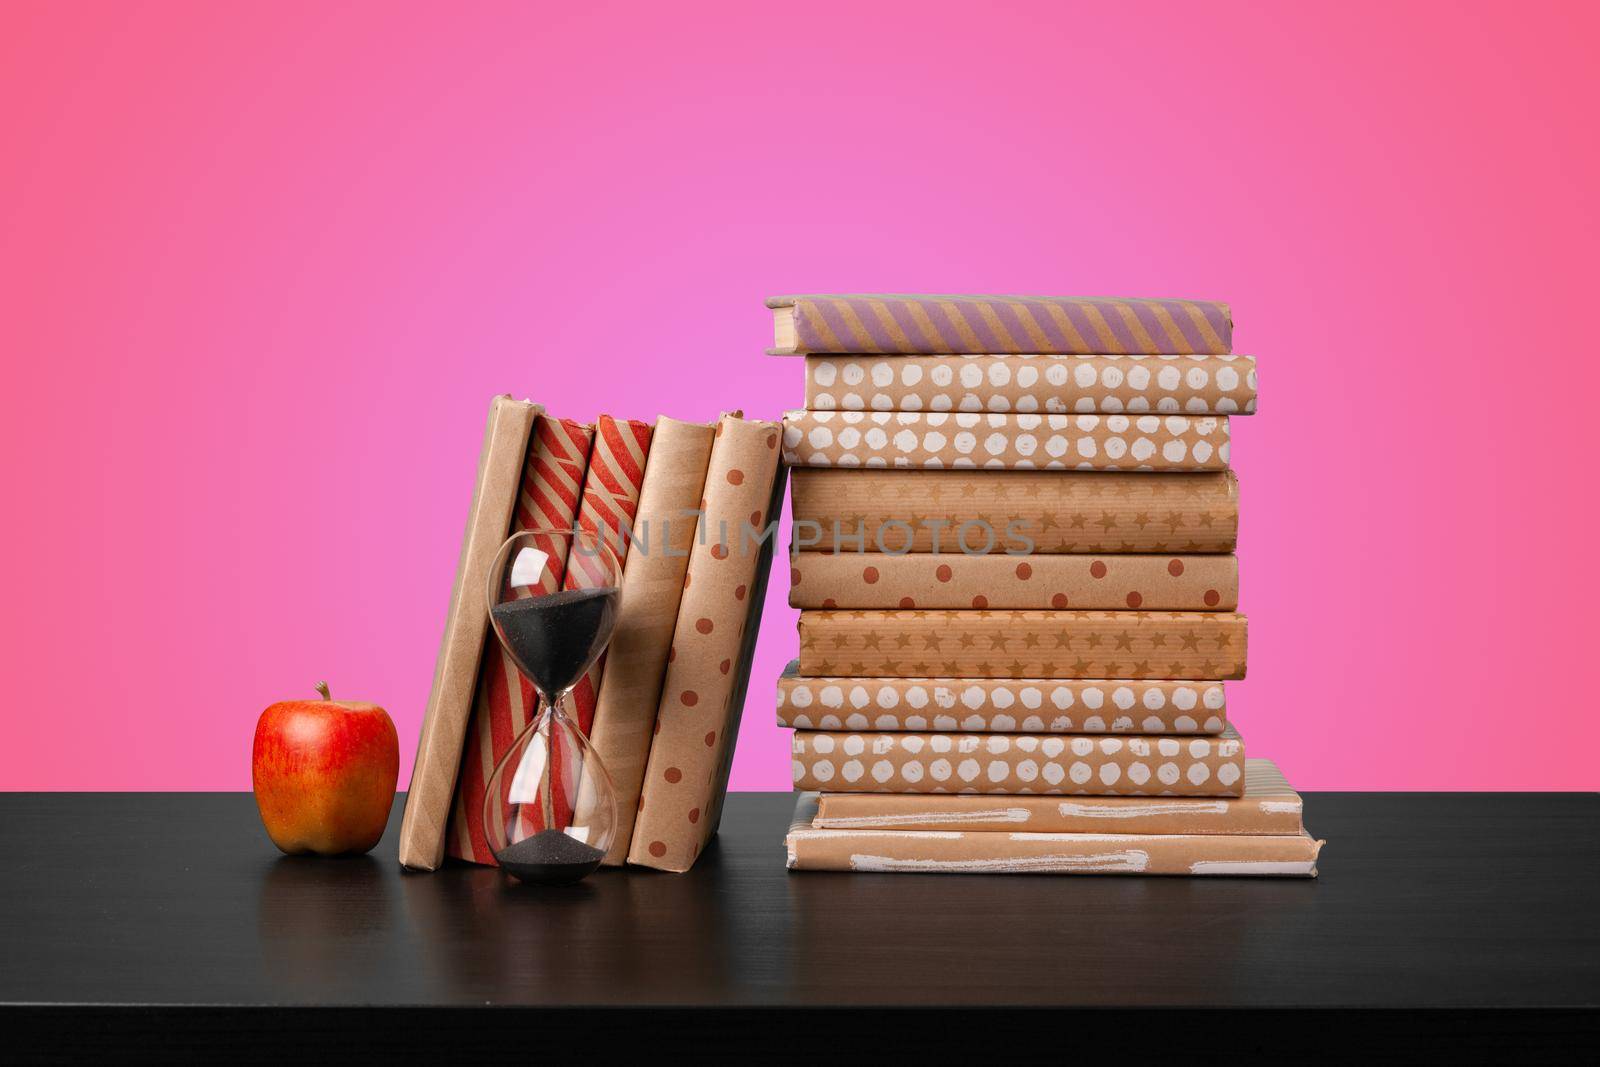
x: 902, y: 324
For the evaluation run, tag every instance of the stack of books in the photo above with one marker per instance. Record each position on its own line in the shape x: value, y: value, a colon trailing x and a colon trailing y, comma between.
x: 1014, y: 533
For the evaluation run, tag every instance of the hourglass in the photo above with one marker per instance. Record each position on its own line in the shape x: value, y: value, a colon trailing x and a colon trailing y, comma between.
x: 550, y: 812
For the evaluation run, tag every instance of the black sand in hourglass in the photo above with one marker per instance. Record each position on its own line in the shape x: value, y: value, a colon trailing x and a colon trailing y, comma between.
x: 555, y: 638
x: 549, y: 857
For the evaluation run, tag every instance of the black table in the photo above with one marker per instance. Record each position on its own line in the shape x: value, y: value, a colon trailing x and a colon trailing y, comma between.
x: 139, y: 923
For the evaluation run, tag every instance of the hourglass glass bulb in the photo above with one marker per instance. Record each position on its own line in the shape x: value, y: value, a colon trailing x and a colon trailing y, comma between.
x: 556, y: 806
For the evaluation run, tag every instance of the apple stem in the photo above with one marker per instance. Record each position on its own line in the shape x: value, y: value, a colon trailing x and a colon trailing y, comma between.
x: 322, y: 687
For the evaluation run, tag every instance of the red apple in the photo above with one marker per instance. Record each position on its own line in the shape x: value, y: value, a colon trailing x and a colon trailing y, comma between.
x: 325, y: 772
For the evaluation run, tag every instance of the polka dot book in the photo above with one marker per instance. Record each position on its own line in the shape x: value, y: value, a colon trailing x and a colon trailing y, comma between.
x: 1025, y: 705
x: 713, y: 639
x: 1056, y: 385
x: 957, y: 580
x: 895, y: 511
x: 999, y: 764
x: 938, y: 441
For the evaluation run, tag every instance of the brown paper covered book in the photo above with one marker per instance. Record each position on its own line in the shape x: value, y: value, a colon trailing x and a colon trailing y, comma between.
x: 1006, y: 442
x: 1206, y: 646
x: 988, y: 705
x: 1269, y: 806
x: 1090, y: 512
x: 652, y: 583
x: 1023, y: 852
x: 957, y: 580
x: 1057, y: 385
x: 930, y: 323
x: 697, y: 718
x: 1019, y: 763
x: 505, y: 701
x: 455, y: 673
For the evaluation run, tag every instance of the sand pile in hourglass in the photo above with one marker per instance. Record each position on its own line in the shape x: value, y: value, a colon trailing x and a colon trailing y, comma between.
x: 1015, y: 523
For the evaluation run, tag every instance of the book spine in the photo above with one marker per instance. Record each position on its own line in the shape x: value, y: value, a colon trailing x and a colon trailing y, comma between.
x: 990, y: 764
x: 680, y: 795
x: 940, y: 441
x: 1180, y: 646
x: 936, y: 324
x: 608, y: 504
x: 610, y: 501
x: 1057, y: 512
x: 985, y: 705
x: 505, y: 703
x: 607, y: 510
x: 747, y: 649
x: 652, y: 584
x: 956, y: 580
x: 444, y: 724
x: 1059, y: 385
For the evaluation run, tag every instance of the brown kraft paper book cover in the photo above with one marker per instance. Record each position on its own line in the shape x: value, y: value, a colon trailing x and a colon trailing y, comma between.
x: 444, y: 724
x: 1057, y: 385
x: 1019, y: 763
x: 708, y: 665
x: 957, y: 580
x: 962, y: 441
x: 1022, y: 852
x: 1203, y: 646
x: 989, y: 705
x: 652, y: 584
x: 1269, y: 806
x: 1077, y: 512
x: 505, y: 702
x: 607, y: 508
x: 934, y: 323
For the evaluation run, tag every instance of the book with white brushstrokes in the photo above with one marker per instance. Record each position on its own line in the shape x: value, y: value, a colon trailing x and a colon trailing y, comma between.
x: 1019, y: 764
x: 926, y: 851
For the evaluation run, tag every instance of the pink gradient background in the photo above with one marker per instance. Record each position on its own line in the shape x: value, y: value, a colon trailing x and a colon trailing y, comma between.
x: 261, y: 267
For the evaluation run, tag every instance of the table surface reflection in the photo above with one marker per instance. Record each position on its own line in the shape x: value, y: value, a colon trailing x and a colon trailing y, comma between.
x: 1425, y: 900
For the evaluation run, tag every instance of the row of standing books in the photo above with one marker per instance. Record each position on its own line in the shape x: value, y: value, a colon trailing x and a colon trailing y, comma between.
x: 662, y: 706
